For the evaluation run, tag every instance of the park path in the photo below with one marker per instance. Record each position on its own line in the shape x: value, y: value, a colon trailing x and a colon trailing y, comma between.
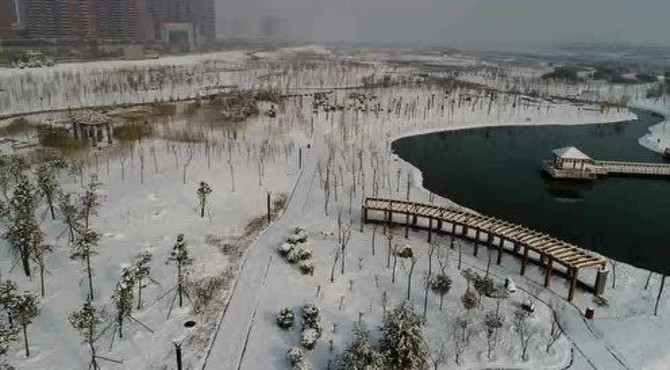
x: 591, y: 350
x: 229, y: 346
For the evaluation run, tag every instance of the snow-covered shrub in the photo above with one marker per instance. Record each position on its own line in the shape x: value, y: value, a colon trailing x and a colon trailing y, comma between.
x: 299, y: 229
x: 306, y: 267
x: 295, y: 355
x: 303, y: 252
x: 300, y: 236
x: 292, y: 256
x: 302, y: 365
x: 309, y: 338
x: 311, y: 318
x: 299, y: 253
x: 285, y: 249
x: 310, y: 312
x: 286, y: 318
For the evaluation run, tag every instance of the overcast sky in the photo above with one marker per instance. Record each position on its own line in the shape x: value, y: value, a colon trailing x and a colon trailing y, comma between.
x: 466, y: 23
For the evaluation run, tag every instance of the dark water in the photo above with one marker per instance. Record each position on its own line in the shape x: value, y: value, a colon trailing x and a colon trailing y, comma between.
x: 497, y: 171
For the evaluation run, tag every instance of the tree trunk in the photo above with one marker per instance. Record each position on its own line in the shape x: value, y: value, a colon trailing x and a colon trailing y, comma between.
x: 202, y: 209
x: 139, y: 294
x: 179, y: 287
x: 660, y: 292
x: 441, y: 301
x: 51, y: 206
x: 120, y: 320
x: 25, y: 340
x: 25, y: 261
x: 409, y: 279
x: 90, y: 276
x: 42, y: 278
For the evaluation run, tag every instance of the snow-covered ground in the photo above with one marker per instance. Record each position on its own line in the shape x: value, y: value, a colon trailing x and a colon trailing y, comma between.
x: 146, y: 205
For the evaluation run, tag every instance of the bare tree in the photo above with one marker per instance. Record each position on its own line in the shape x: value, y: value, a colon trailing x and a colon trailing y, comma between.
x: 346, y: 236
x: 461, y: 332
x: 558, y: 325
x: 492, y: 322
x: 431, y: 250
x: 409, y: 276
x: 525, y: 330
x: 660, y: 293
x: 187, y: 163
x: 374, y: 232
x: 439, y: 356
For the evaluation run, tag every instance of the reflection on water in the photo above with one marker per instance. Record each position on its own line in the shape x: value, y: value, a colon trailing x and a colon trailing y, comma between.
x: 497, y: 171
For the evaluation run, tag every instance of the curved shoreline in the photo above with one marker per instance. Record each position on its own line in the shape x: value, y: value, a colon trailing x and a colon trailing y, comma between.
x: 417, y: 174
x: 653, y: 140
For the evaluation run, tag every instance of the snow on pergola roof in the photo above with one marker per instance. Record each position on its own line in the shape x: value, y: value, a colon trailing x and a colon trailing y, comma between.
x: 570, y: 152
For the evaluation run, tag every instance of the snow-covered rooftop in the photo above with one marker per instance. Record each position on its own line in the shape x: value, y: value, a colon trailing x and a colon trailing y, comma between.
x: 570, y: 152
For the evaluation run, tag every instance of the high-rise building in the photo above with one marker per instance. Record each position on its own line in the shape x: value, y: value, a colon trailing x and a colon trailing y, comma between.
x: 8, y: 18
x: 109, y: 20
x: 122, y: 19
x: 174, y: 17
x: 85, y: 19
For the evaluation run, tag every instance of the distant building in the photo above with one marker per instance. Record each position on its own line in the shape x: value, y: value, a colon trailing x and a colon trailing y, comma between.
x: 271, y: 26
x: 183, y: 22
x: 9, y: 18
x: 118, y: 20
x: 172, y: 18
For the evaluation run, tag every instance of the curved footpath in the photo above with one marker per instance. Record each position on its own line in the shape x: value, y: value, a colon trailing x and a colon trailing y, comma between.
x: 230, y: 343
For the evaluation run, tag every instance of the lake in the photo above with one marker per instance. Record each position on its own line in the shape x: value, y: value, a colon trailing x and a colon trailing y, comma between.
x: 497, y: 171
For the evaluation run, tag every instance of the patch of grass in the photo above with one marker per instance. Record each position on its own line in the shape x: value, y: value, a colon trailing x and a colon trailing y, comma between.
x: 185, y: 136
x: 269, y: 94
x: 59, y: 138
x: 279, y: 204
x: 17, y: 126
x: 206, y: 291
x: 163, y: 109
x: 132, y: 132
x: 192, y: 108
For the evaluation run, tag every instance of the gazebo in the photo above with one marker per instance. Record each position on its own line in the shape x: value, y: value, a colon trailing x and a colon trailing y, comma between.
x: 571, y: 158
x: 90, y: 124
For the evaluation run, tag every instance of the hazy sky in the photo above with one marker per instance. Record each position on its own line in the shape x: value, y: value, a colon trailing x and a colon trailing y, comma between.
x: 466, y: 23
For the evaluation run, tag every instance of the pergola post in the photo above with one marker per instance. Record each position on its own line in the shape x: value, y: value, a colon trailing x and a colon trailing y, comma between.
x: 430, y: 229
x: 476, y: 242
x: 500, y: 249
x: 524, y: 261
x: 109, y: 133
x: 547, y: 274
x: 390, y: 214
x: 364, y: 217
x: 407, y: 225
x: 573, y: 284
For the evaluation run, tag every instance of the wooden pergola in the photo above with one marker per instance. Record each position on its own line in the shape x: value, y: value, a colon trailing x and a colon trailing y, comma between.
x: 496, y: 233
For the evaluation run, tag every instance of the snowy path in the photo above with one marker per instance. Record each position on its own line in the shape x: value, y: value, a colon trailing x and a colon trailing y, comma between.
x: 596, y: 353
x: 229, y: 347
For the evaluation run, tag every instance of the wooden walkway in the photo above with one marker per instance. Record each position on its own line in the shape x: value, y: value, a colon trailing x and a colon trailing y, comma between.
x: 496, y: 233
x: 634, y: 168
